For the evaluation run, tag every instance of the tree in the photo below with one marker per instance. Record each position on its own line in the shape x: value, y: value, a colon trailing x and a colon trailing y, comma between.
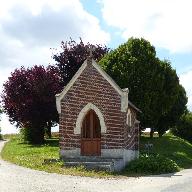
x: 29, y: 99
x: 183, y: 128
x: 0, y: 120
x: 171, y: 118
x: 152, y: 83
x: 72, y: 56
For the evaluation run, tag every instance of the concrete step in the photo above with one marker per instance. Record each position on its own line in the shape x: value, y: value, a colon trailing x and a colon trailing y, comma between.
x: 96, y: 163
x: 91, y: 159
x: 99, y: 166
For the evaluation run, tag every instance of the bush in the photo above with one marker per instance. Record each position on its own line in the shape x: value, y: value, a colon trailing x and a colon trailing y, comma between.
x: 25, y: 135
x: 0, y: 134
x: 184, y: 127
x: 152, y: 164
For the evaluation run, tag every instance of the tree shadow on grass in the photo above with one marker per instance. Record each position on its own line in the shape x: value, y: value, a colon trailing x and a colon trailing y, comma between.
x: 53, y: 142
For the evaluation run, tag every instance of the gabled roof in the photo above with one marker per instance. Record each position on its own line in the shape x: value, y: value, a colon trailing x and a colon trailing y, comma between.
x: 122, y: 93
x: 134, y: 107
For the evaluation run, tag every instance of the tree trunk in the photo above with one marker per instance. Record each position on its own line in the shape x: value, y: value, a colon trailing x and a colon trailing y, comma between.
x: 151, y: 133
x: 37, y: 134
x: 160, y: 133
x: 48, y: 130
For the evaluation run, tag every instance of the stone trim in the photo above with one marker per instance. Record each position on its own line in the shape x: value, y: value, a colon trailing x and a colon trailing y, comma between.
x: 72, y: 153
x: 124, y: 100
x: 134, y: 107
x: 83, y: 112
x: 61, y: 95
x: 129, y: 118
x: 107, y: 77
x: 126, y: 155
x: 130, y: 155
x: 123, y: 93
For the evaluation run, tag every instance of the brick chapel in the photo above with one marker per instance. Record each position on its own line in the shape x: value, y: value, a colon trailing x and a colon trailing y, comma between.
x: 96, y: 118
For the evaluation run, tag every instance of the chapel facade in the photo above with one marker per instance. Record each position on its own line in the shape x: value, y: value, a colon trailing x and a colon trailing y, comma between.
x: 96, y: 119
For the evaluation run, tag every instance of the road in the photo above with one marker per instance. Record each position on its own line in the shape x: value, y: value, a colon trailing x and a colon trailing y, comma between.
x: 14, y: 178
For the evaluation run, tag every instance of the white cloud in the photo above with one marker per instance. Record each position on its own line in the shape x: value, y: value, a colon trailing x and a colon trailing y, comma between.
x: 167, y: 24
x: 6, y: 127
x: 28, y: 29
x: 185, y: 80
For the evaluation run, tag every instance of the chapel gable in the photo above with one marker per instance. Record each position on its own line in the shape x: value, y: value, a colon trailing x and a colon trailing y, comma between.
x: 94, y: 117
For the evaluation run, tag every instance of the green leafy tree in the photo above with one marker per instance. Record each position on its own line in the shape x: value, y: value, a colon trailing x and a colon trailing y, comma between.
x: 184, y: 127
x: 152, y: 83
x: 171, y: 118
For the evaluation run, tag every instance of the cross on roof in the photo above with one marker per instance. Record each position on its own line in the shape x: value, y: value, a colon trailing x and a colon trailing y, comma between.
x: 90, y: 50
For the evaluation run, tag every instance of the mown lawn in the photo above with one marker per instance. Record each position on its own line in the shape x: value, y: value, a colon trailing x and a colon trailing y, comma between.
x: 42, y: 157
x: 34, y: 157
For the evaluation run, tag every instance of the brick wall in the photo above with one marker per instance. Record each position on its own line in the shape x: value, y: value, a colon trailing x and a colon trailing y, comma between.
x: 91, y: 87
x: 131, y: 134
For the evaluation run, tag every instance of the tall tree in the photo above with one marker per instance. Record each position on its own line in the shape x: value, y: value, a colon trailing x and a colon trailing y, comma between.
x: 152, y: 83
x: 72, y: 56
x: 29, y: 99
x: 183, y: 128
x: 173, y: 116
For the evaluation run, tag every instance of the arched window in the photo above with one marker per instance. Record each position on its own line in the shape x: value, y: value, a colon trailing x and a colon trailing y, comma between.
x: 129, y: 118
x: 84, y: 112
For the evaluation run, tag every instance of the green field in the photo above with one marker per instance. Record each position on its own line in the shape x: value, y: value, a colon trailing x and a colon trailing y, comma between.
x: 34, y: 157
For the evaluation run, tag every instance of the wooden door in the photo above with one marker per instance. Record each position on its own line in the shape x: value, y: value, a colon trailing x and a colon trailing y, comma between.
x: 91, y: 135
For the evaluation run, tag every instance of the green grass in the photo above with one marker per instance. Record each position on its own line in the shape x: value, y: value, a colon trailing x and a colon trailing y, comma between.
x: 170, y: 146
x: 33, y: 156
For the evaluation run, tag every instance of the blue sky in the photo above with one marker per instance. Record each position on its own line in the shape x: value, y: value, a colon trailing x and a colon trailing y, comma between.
x: 28, y: 29
x: 182, y: 62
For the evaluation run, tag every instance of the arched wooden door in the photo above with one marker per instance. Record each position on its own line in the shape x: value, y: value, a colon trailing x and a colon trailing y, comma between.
x: 91, y: 135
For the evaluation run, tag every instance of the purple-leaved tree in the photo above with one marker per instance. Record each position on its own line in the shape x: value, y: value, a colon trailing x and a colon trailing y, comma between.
x: 28, y: 99
x: 72, y: 56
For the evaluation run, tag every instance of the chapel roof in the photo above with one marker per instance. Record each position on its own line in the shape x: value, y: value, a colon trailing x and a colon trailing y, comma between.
x: 123, y: 92
x: 133, y: 106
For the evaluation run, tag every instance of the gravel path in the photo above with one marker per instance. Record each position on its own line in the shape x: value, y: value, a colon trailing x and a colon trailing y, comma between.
x: 14, y: 178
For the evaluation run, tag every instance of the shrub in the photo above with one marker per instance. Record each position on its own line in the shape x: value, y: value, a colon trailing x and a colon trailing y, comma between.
x: 0, y: 134
x: 153, y: 164
x: 25, y: 134
x: 184, y: 127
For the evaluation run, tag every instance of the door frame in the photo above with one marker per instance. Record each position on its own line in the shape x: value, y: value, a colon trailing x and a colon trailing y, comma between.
x: 90, y: 138
x: 86, y: 108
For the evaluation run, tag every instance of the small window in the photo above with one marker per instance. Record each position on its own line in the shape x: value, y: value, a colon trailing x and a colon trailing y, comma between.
x: 129, y: 118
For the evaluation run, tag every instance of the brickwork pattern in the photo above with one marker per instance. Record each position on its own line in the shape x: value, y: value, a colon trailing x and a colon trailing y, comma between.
x: 92, y: 87
x: 131, y: 133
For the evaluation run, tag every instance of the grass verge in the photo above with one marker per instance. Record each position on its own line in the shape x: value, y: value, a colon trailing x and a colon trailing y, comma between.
x: 34, y: 156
